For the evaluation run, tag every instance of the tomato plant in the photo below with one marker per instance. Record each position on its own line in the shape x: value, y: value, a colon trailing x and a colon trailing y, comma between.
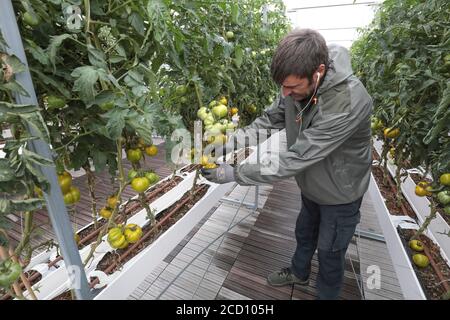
x: 109, y: 78
x: 402, y: 58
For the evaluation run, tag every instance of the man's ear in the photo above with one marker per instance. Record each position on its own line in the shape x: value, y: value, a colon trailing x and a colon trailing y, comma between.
x: 321, y: 70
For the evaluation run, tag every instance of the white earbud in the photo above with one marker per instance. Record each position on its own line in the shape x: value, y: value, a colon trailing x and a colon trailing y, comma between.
x: 318, y: 77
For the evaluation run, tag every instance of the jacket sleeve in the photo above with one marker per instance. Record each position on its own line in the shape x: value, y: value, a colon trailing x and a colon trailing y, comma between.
x: 313, y: 144
x: 272, y: 118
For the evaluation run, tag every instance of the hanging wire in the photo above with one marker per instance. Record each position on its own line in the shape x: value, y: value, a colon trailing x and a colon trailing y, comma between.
x: 360, y: 282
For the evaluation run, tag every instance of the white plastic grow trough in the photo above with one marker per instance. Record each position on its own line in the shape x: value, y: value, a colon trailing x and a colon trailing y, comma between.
x: 438, y: 227
x: 411, y: 288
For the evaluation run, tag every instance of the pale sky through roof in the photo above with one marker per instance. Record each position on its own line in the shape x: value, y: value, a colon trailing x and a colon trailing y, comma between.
x: 336, y: 20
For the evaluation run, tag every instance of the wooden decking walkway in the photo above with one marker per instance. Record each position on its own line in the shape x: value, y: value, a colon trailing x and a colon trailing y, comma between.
x: 236, y: 265
x: 270, y: 246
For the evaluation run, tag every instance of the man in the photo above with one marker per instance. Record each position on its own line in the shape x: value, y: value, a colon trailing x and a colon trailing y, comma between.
x: 326, y: 112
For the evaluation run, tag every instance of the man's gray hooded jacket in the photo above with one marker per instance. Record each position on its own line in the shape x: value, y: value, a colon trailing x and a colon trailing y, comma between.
x: 329, y: 152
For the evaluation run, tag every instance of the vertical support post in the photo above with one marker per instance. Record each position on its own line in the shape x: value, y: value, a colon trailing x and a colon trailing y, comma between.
x: 198, y: 139
x: 55, y: 204
x: 258, y: 162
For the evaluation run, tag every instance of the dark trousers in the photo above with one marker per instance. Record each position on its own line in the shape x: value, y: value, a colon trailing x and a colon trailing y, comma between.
x: 329, y: 228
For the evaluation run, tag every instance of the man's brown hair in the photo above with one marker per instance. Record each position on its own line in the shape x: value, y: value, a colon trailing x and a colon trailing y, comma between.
x: 299, y: 53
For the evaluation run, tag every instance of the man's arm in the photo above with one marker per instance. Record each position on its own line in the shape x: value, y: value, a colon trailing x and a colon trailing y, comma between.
x: 314, y: 144
x: 272, y: 118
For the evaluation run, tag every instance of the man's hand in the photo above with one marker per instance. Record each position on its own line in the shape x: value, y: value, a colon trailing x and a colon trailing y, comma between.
x: 224, y: 173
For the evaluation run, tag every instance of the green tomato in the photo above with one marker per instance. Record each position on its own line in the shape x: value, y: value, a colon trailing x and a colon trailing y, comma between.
x: 140, y: 184
x: 132, y: 233
x: 216, y: 129
x: 210, y: 117
x: 447, y: 210
x: 105, y: 213
x: 134, y: 155
x: 416, y: 245
x: 65, y: 182
x: 106, y: 106
x: 9, y: 272
x: 68, y: 198
x: 152, y: 177
x: 112, y: 201
x: 252, y: 109
x: 117, y: 239
x: 132, y: 174
x: 75, y: 192
x: 31, y: 19
x: 230, y: 35
x: 376, y: 124
x: 183, y: 100
x: 202, y: 113
x: 220, y: 111
x: 421, y: 260
x: 444, y: 179
x: 444, y: 197
x: 55, y: 102
x: 181, y: 90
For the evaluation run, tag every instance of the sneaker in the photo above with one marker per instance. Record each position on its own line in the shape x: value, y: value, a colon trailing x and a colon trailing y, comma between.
x: 284, y: 277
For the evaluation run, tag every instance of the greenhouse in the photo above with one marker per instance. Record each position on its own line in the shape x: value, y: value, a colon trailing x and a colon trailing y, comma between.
x: 224, y: 150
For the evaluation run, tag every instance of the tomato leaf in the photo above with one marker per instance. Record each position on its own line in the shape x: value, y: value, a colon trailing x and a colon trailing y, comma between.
x: 50, y: 81
x: 52, y: 49
x: 238, y: 56
x: 85, y: 83
x: 142, y: 125
x: 5, y: 206
x: 6, y: 173
x: 36, y: 158
x: 14, y: 63
x: 116, y: 123
x: 27, y: 205
x: 136, y: 21
x: 34, y: 120
x: 96, y: 57
x: 14, y: 86
x: 99, y: 158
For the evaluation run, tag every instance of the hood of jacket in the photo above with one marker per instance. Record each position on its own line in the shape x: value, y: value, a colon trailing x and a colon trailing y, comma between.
x: 340, y: 68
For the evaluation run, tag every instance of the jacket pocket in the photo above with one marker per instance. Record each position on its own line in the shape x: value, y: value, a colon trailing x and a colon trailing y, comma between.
x: 342, y: 172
